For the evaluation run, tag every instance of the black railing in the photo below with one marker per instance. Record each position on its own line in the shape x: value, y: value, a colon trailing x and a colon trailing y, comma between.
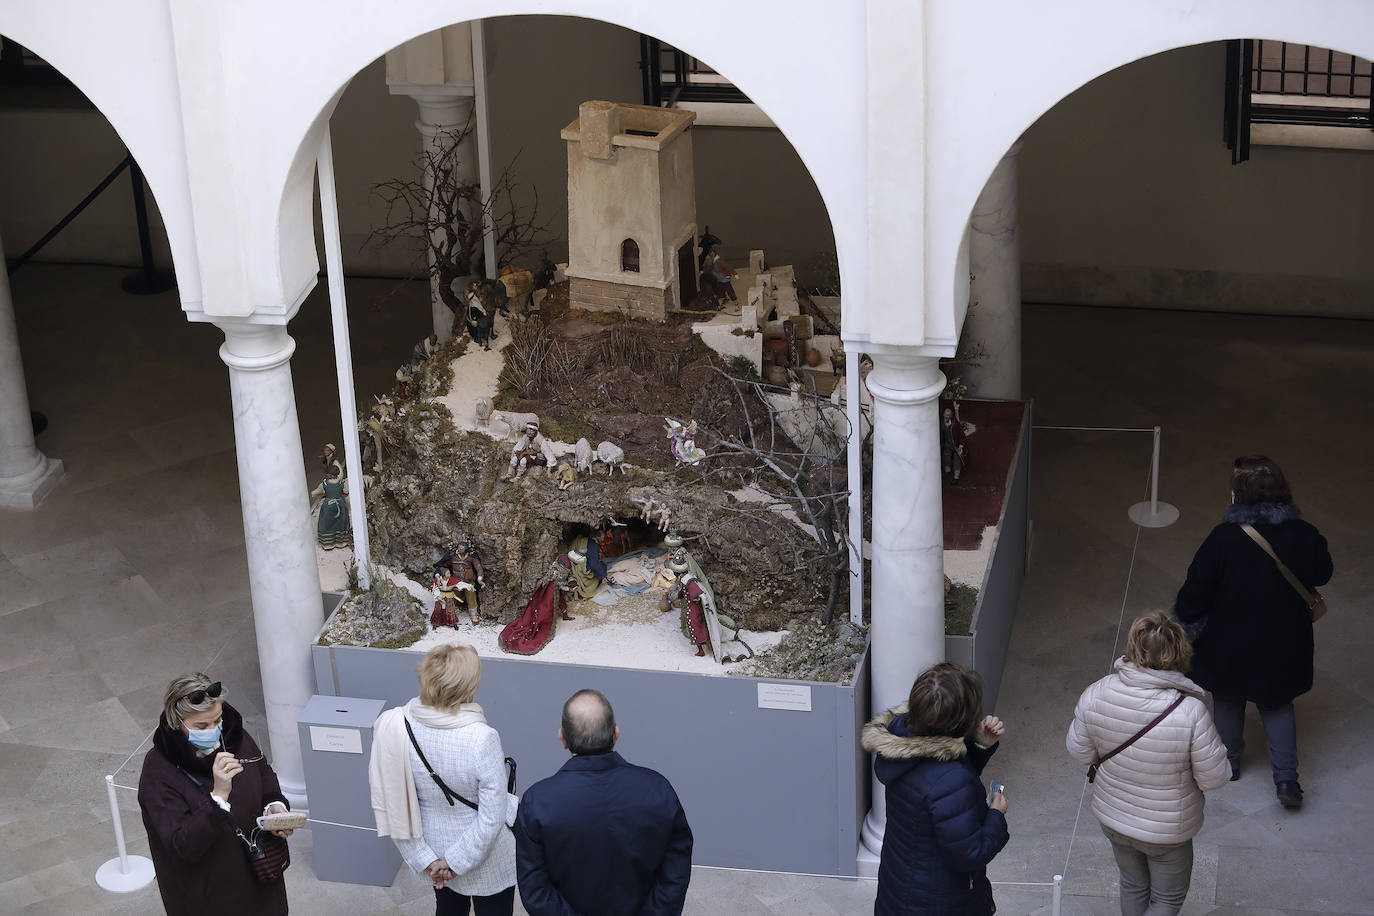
x: 148, y: 279
x: 671, y: 76
x: 1295, y: 84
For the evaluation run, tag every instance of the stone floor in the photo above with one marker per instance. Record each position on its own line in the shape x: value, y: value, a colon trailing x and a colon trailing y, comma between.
x: 133, y: 570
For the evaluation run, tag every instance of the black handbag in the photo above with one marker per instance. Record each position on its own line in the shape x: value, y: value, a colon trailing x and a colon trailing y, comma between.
x: 268, y: 854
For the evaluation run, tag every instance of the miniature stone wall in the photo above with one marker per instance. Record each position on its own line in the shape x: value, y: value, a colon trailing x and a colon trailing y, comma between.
x: 644, y: 302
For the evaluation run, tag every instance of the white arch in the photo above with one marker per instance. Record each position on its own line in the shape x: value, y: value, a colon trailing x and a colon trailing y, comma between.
x: 994, y: 68
x: 281, y: 85
x: 121, y: 56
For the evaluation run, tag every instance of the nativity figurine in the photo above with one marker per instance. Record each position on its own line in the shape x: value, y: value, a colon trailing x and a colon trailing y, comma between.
x: 531, y: 450
x: 953, y: 444
x: 683, y: 441
x: 333, y: 529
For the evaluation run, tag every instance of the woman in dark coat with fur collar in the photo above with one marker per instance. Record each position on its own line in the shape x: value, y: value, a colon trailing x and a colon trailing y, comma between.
x: 204, y: 776
x: 1251, y: 630
x: 940, y: 833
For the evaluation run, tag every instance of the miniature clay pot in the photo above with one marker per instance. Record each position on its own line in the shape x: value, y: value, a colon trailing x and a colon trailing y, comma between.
x: 664, y: 604
x: 776, y: 375
x: 813, y: 357
x: 774, y: 344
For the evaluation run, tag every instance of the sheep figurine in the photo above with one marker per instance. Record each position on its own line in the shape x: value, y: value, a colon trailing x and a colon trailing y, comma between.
x: 582, y: 454
x: 611, y: 455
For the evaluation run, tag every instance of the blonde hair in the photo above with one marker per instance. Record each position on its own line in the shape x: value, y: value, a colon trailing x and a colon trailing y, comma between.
x: 1157, y: 642
x: 176, y: 704
x: 449, y: 676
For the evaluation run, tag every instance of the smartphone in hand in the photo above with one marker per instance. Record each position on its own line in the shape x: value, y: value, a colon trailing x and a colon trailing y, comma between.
x: 993, y: 788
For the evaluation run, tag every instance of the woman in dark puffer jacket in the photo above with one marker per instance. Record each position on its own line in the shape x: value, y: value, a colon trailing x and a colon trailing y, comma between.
x: 940, y: 833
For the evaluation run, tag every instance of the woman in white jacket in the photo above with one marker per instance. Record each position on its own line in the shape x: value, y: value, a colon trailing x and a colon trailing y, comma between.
x: 468, y: 855
x: 1148, y: 797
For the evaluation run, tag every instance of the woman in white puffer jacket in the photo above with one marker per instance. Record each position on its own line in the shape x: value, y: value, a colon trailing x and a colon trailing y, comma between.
x: 1148, y: 797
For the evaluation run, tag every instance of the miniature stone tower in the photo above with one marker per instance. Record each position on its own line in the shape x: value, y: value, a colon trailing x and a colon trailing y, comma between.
x: 631, y: 209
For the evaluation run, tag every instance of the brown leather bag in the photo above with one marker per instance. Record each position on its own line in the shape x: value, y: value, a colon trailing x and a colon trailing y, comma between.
x: 1315, y: 602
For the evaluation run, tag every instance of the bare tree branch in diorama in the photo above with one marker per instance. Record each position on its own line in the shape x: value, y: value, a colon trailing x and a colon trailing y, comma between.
x: 446, y: 218
x: 797, y: 480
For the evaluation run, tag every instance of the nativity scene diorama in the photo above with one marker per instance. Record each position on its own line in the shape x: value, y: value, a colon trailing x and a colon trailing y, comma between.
x: 636, y: 458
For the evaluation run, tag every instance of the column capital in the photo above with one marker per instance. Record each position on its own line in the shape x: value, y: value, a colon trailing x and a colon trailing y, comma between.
x: 902, y: 377
x: 251, y: 347
x: 443, y: 113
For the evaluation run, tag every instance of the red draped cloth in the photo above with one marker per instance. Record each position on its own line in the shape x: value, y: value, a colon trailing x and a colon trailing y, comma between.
x: 532, y: 630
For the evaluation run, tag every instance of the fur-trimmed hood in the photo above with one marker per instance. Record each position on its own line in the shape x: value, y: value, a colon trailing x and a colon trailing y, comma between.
x: 887, y: 736
x: 1262, y: 513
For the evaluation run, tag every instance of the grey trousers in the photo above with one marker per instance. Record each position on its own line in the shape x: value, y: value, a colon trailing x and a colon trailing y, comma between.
x: 1154, y: 879
x: 1280, y: 733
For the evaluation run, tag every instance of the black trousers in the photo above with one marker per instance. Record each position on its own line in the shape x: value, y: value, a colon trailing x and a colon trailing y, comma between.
x: 448, y: 902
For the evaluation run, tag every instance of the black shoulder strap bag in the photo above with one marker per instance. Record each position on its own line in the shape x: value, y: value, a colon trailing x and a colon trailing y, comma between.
x: 449, y: 794
x: 1092, y: 770
x: 1315, y: 601
x: 268, y: 854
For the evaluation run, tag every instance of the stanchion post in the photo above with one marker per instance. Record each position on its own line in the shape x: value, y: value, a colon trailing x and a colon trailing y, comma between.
x: 125, y: 873
x: 1058, y: 894
x: 1153, y: 514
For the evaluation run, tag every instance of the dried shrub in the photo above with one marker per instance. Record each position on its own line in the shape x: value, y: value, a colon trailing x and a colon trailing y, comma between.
x: 527, y: 357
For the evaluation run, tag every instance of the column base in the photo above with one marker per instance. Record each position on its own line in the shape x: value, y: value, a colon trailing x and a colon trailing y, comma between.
x: 866, y: 865
x: 870, y: 848
x: 295, y: 794
x: 27, y: 492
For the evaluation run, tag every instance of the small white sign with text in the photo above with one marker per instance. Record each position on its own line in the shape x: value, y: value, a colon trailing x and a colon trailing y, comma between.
x: 785, y: 696
x: 338, y: 740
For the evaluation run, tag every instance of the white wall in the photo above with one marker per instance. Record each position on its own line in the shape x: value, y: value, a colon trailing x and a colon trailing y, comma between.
x: 1128, y: 197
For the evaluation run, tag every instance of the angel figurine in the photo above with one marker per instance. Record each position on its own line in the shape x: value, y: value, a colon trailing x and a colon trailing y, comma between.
x: 683, y: 441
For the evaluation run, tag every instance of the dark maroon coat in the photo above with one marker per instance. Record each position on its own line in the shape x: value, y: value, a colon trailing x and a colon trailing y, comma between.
x: 202, y: 867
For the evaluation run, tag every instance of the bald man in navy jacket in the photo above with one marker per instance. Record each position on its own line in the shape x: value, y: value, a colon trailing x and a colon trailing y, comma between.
x: 601, y: 837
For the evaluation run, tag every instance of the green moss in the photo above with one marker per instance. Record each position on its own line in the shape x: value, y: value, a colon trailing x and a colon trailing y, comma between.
x: 568, y: 428
x: 960, y: 602
x: 742, y: 367
x: 408, y: 638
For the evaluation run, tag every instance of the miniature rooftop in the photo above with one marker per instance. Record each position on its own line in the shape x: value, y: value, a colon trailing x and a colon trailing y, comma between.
x: 608, y: 124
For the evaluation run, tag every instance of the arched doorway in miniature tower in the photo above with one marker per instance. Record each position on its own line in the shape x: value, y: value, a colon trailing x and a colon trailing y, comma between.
x: 618, y: 154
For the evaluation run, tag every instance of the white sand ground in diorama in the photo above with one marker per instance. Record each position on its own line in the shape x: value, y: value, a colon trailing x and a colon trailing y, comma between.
x: 631, y: 633
x: 968, y: 567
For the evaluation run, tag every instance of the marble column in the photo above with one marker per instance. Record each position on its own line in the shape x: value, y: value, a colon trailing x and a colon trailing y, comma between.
x: 282, y: 573
x: 437, y: 70
x: 993, y: 324
x: 907, y: 565
x: 26, y: 474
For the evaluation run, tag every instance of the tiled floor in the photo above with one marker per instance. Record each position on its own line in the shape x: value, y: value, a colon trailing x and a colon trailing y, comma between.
x: 133, y: 569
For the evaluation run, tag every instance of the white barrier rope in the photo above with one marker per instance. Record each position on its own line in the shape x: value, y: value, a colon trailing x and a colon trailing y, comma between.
x: 1120, y: 622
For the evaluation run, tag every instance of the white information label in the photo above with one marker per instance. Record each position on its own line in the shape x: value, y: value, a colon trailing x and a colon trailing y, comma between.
x: 785, y: 696
x: 338, y: 740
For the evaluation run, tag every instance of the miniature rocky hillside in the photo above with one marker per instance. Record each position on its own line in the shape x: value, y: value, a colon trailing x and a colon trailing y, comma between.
x: 610, y: 381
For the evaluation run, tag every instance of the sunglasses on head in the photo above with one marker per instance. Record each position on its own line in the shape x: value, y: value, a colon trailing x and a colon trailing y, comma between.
x: 199, y: 696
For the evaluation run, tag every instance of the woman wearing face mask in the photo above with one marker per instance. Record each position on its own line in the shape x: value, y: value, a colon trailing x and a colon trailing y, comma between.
x: 203, y: 777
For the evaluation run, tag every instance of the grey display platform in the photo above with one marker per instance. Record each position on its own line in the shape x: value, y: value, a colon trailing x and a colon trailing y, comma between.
x: 770, y: 772
x: 985, y: 649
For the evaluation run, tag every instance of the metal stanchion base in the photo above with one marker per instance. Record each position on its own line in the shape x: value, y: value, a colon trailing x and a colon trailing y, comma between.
x: 112, y: 878
x: 1161, y: 515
